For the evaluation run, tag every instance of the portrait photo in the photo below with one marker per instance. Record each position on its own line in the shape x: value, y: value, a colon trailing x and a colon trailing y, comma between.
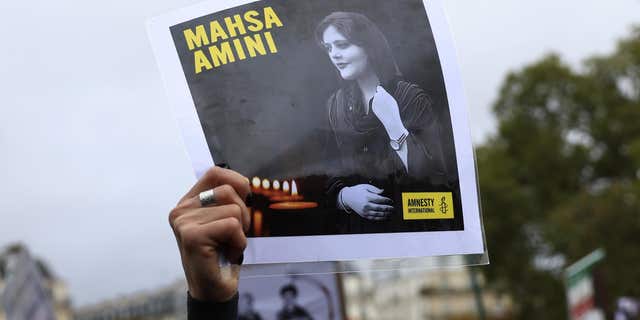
x: 338, y: 112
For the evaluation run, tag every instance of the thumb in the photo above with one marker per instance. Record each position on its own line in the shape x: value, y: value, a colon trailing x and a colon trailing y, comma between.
x: 374, y: 189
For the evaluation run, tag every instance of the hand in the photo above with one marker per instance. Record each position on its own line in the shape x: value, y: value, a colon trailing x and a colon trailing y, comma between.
x: 367, y: 202
x: 385, y: 107
x: 205, y: 233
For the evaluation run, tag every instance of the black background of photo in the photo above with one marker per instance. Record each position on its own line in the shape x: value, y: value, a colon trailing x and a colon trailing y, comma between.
x: 288, y: 91
x: 267, y: 116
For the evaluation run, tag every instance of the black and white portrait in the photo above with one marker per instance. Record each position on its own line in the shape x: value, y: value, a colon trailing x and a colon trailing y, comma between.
x: 385, y: 129
x: 330, y: 109
x: 246, y: 309
x: 289, y: 297
x: 291, y: 309
x: 339, y: 112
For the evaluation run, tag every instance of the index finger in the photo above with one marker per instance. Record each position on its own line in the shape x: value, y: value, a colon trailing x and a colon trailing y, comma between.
x: 217, y: 176
x: 378, y: 199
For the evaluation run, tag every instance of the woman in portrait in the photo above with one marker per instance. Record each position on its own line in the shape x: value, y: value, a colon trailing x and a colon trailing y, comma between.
x: 384, y: 130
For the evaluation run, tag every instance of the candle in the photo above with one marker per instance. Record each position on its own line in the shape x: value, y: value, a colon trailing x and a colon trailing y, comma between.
x: 276, y: 185
x: 257, y: 223
x: 255, y: 182
x: 286, y: 197
x: 255, y: 185
x: 294, y: 196
x: 265, y: 184
x: 290, y: 218
x: 293, y: 205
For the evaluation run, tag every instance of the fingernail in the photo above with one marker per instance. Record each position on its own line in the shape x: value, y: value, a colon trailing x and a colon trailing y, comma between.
x: 240, y: 259
x: 223, y: 165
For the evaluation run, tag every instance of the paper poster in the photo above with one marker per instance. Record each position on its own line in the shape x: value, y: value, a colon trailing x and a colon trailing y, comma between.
x: 348, y: 116
x: 294, y: 296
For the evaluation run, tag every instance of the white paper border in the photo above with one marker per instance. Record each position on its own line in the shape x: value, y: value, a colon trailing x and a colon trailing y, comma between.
x: 334, y: 247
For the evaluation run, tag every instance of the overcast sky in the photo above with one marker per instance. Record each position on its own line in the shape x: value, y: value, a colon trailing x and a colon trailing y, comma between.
x: 91, y: 160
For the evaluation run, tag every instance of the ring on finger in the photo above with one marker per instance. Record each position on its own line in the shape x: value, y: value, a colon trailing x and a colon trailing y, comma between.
x: 207, y: 198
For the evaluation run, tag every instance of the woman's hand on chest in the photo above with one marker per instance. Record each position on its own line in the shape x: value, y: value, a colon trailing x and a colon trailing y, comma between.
x: 386, y: 109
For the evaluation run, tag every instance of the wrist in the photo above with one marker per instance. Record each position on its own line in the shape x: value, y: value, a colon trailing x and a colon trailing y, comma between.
x: 341, y: 204
x: 211, y: 293
x: 394, y: 131
x: 397, y: 139
x: 198, y: 309
x: 201, y: 299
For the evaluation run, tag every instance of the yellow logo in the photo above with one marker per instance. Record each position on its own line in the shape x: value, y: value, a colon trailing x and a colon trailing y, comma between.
x: 427, y: 205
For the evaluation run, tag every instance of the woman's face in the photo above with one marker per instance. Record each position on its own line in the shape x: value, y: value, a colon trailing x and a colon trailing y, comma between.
x: 350, y: 60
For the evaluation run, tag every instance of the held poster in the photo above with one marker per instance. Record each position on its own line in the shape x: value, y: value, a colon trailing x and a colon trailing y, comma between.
x: 292, y: 296
x: 348, y: 117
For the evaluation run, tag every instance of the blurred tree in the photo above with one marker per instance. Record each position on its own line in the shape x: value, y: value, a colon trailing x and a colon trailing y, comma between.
x: 560, y: 177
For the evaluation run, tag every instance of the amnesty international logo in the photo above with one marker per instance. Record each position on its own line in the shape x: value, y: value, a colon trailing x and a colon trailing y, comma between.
x: 443, y: 205
x: 427, y: 205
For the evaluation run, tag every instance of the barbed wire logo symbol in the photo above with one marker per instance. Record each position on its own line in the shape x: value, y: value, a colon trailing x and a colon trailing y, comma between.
x: 444, y: 207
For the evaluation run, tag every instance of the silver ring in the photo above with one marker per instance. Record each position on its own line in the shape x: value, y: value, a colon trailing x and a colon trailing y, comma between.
x: 207, y: 198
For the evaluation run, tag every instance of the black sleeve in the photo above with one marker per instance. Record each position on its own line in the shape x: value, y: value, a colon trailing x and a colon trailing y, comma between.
x: 425, y: 139
x: 205, y: 310
x: 331, y: 158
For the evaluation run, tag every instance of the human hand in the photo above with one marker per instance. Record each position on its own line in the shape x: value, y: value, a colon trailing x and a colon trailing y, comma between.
x: 367, y: 202
x: 386, y: 109
x: 205, y: 233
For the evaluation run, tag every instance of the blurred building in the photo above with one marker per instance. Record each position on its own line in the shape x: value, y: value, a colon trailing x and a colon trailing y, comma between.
x: 426, y: 294
x: 166, y: 303
x: 29, y: 290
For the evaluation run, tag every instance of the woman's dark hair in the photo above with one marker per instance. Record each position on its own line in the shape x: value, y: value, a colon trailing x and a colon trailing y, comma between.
x: 359, y: 30
x: 289, y: 288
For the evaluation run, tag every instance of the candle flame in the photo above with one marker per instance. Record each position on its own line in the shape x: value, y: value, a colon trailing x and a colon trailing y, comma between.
x: 294, y: 188
x: 266, y: 184
x: 276, y: 185
x: 285, y: 186
x: 255, y: 182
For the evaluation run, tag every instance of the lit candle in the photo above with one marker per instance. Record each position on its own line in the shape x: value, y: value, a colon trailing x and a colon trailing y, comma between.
x: 257, y: 223
x: 276, y: 185
x: 255, y: 182
x: 266, y: 184
x: 294, y: 196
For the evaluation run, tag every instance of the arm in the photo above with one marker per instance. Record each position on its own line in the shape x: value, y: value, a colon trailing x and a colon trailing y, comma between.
x: 413, y: 113
x: 344, y: 192
x: 204, y: 234
x: 386, y: 108
x: 197, y: 309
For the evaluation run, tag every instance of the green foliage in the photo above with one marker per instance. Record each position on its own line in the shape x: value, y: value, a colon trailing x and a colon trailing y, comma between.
x: 560, y: 177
